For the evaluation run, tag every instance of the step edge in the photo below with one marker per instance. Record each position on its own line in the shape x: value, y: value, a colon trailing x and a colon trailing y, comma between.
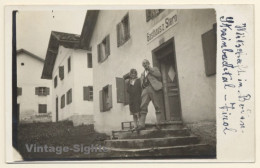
x: 157, y: 148
x: 162, y: 138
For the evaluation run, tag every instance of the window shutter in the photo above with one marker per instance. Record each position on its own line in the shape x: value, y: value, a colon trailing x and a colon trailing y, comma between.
x: 86, y: 93
x: 209, y: 44
x: 89, y: 60
x: 19, y: 91
x: 126, y: 94
x: 69, y: 64
x: 127, y: 28
x: 61, y: 72
x: 98, y: 50
x: 118, y: 34
x: 47, y: 91
x: 37, y: 91
x: 147, y: 15
x: 42, y: 108
x: 101, y: 102
x: 110, y: 102
x: 107, y: 46
x: 120, y: 90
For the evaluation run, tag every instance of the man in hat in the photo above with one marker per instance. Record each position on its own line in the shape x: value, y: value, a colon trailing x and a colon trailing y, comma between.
x: 151, y: 86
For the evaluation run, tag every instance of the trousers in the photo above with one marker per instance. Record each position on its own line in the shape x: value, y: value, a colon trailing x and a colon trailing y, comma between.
x: 149, y: 94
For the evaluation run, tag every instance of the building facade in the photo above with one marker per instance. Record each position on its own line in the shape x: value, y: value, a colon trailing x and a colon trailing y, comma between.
x: 33, y: 93
x: 181, y: 43
x: 70, y: 70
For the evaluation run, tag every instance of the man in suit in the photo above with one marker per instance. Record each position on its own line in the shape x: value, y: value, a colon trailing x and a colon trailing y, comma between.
x: 151, y: 86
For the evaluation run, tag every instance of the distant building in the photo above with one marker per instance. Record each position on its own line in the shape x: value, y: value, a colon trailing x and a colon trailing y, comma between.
x: 70, y: 69
x: 181, y: 43
x: 33, y: 93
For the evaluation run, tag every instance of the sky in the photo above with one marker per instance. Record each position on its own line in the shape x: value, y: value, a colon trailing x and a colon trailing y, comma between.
x: 34, y: 28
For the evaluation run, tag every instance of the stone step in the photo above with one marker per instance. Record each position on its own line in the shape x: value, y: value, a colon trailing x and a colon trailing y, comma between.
x: 152, y: 133
x: 168, y: 125
x: 184, y: 151
x: 151, y: 142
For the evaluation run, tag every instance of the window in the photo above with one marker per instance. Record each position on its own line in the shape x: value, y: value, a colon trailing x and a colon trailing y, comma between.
x: 121, y: 89
x: 61, y: 72
x: 69, y: 96
x: 55, y: 82
x: 19, y: 91
x: 105, y: 98
x: 104, y: 49
x: 209, y: 44
x: 69, y: 64
x: 89, y: 60
x: 62, y: 101
x: 42, y: 108
x: 42, y: 91
x: 152, y: 13
x: 88, y: 93
x: 123, y: 31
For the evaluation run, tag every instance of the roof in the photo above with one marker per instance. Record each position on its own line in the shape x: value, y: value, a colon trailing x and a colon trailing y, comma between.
x: 88, y: 28
x: 56, y: 39
x: 20, y: 51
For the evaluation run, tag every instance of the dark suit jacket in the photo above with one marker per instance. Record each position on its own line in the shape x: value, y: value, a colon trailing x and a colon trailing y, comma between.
x: 154, y: 78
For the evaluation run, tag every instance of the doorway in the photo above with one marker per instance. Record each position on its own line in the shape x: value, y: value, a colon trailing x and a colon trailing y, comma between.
x: 164, y: 58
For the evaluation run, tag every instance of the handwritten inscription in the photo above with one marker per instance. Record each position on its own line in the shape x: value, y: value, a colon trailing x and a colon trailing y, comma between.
x: 234, y: 75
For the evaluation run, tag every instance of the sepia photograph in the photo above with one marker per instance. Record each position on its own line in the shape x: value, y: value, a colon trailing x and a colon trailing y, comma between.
x: 114, y: 84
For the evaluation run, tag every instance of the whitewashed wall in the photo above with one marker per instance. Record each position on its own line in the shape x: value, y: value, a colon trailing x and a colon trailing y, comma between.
x: 197, y: 91
x: 28, y: 78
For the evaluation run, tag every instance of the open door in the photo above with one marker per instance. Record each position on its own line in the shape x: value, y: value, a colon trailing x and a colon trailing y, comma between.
x: 164, y: 59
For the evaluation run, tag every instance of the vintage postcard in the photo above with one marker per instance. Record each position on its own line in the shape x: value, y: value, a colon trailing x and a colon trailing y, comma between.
x: 144, y: 83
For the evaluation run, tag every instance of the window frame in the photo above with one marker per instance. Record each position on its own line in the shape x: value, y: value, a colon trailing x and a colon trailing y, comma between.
x: 62, y: 101
x: 127, y: 36
x: 42, y: 91
x: 88, y: 93
x: 107, y: 104
x: 148, y: 17
x: 105, y: 40
x: 69, y: 96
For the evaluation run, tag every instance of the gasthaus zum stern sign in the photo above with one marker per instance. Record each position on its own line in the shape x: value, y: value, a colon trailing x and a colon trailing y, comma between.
x: 161, y: 27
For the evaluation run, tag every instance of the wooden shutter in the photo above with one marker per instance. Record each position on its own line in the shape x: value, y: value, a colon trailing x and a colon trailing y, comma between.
x: 98, y: 50
x: 69, y: 64
x: 209, y: 44
x: 120, y: 90
x: 42, y: 108
x: 110, y: 102
x: 69, y: 96
x: 37, y: 91
x: 126, y: 94
x: 61, y: 72
x: 118, y: 34
x: 101, y: 102
x: 86, y: 93
x: 147, y: 15
x: 47, y: 91
x: 107, y: 46
x: 19, y: 91
x: 90, y: 60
